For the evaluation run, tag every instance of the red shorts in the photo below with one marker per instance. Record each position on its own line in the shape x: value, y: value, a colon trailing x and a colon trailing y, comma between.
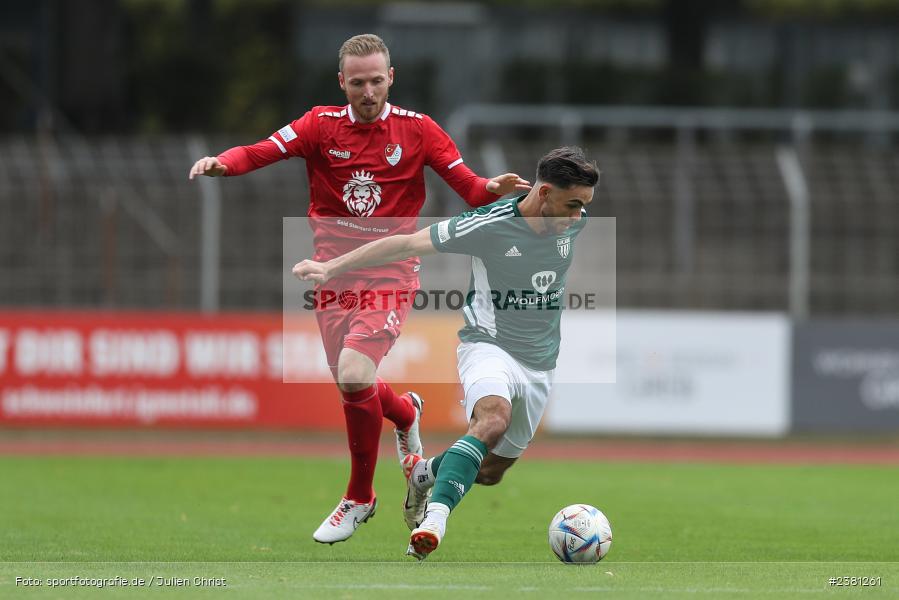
x: 366, y: 316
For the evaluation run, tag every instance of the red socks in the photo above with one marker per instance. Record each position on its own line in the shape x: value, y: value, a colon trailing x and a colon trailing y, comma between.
x: 363, y: 415
x: 397, y: 409
x: 363, y: 412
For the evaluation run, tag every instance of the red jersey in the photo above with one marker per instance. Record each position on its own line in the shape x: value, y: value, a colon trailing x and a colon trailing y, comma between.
x: 360, y: 170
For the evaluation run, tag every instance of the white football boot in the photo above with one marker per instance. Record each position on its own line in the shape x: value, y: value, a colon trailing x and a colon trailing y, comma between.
x: 426, y: 537
x: 344, y: 520
x: 418, y: 489
x: 409, y: 441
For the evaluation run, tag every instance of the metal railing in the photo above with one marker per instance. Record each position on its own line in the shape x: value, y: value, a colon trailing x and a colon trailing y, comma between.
x: 791, y: 219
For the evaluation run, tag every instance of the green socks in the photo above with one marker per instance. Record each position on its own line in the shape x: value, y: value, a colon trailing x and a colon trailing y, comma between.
x: 456, y: 470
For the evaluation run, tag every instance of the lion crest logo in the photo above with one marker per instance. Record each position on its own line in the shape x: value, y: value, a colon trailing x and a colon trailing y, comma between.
x: 361, y: 194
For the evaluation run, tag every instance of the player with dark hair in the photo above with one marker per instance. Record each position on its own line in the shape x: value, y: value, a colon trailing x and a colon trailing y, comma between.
x: 521, y: 250
x: 365, y: 159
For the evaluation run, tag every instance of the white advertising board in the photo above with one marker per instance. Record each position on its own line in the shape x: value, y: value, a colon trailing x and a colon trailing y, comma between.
x: 676, y: 373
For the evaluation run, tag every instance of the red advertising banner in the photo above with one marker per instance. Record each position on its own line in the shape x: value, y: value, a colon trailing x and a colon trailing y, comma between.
x: 182, y: 370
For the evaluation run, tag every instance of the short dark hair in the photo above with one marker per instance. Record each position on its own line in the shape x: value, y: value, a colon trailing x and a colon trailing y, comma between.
x: 567, y: 167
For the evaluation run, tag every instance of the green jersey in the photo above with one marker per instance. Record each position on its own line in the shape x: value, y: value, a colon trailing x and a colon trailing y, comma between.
x: 517, y: 287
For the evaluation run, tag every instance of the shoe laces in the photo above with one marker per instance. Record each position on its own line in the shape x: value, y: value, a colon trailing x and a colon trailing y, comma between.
x: 403, y: 437
x: 342, y: 510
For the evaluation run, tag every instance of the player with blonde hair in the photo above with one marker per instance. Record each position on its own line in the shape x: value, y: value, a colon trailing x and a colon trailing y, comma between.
x: 364, y: 159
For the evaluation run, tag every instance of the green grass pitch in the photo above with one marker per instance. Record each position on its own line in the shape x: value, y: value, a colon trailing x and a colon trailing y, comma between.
x: 680, y: 530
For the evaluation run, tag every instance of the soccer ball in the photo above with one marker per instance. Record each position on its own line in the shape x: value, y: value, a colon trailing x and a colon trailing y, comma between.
x: 580, y: 534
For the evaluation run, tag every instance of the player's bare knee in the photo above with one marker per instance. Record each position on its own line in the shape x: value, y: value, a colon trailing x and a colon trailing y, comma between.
x: 350, y: 386
x: 354, y: 375
x: 490, y: 419
x: 353, y: 379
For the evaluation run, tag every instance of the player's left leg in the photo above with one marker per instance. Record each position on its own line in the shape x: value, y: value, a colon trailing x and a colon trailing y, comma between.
x: 421, y: 475
x: 405, y: 412
x: 527, y: 411
x: 458, y: 469
x: 528, y: 392
x: 423, y: 471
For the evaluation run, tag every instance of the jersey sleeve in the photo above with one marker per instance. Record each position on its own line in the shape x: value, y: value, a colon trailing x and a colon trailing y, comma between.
x: 469, y: 233
x: 442, y: 155
x: 297, y: 138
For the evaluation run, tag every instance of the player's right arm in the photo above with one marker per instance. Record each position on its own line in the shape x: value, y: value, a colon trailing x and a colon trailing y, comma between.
x: 464, y: 234
x: 294, y: 139
x: 386, y: 250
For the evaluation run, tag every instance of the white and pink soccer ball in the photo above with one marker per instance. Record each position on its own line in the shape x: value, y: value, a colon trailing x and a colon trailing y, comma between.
x: 580, y: 534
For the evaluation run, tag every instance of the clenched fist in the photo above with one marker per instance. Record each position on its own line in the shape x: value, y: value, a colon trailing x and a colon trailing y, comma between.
x: 310, y: 270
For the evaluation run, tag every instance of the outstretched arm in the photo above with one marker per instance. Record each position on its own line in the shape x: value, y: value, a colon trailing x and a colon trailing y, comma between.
x: 294, y: 139
x: 379, y: 252
x: 238, y: 160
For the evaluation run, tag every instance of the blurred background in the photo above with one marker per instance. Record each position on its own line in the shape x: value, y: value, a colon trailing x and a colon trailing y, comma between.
x: 748, y: 151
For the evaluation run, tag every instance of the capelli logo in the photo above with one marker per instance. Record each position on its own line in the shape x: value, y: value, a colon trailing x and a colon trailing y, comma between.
x: 339, y: 153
